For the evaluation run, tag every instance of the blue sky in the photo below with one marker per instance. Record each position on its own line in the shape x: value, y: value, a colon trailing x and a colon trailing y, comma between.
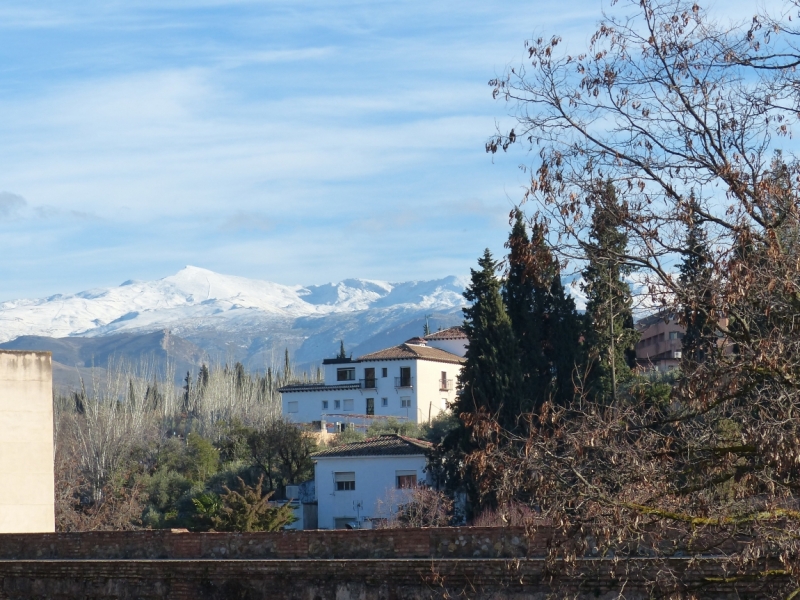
x: 294, y: 141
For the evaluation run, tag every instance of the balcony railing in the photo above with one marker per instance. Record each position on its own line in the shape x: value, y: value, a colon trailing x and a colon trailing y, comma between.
x: 445, y: 385
x: 368, y: 384
x: 403, y: 382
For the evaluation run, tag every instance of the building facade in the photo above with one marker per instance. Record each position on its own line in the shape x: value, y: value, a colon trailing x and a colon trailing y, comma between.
x: 359, y: 482
x: 660, y: 342
x: 414, y: 381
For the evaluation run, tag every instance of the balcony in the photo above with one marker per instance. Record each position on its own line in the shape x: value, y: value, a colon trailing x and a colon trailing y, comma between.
x: 445, y: 385
x: 368, y: 384
x: 403, y: 382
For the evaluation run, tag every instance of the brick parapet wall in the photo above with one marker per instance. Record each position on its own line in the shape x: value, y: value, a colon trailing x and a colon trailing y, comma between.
x: 388, y: 564
x: 345, y: 579
x: 456, y: 542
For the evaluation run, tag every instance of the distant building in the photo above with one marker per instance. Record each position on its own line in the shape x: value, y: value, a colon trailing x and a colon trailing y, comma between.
x: 660, y: 342
x: 27, y: 484
x: 414, y: 381
x: 358, y: 482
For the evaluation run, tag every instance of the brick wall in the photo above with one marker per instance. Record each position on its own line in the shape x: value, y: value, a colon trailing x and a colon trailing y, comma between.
x: 456, y: 542
x: 361, y: 579
x: 476, y: 563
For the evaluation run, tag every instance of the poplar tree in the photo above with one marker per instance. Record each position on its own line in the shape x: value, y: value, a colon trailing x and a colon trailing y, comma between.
x: 609, y: 333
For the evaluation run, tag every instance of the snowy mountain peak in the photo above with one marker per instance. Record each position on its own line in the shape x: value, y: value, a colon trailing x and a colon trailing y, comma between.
x: 196, y: 298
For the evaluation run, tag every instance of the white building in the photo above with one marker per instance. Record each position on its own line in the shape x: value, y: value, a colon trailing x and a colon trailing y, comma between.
x: 358, y: 482
x: 414, y: 381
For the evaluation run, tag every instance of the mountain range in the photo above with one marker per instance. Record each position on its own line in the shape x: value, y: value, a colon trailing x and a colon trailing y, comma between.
x: 198, y: 316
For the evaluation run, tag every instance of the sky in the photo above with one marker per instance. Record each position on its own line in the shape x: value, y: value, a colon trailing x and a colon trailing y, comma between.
x: 293, y: 141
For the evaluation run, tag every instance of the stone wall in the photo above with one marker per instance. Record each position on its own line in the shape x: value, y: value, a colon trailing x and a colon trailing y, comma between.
x: 26, y: 442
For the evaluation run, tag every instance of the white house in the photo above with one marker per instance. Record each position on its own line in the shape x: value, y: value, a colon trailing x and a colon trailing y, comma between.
x: 361, y: 481
x: 414, y: 381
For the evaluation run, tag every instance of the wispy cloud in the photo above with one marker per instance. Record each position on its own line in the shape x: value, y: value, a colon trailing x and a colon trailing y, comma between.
x: 11, y: 204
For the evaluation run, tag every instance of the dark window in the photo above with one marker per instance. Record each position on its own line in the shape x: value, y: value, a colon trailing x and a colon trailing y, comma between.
x: 384, y: 372
x: 345, y: 374
x: 345, y: 481
x: 405, y: 376
x: 370, y: 406
x: 369, y: 379
x: 406, y: 481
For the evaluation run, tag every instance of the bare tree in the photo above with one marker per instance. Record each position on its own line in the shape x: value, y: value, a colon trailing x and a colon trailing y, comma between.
x: 666, y: 103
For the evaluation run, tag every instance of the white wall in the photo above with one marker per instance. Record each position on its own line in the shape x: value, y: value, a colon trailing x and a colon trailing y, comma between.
x: 457, y: 346
x: 375, y: 486
x: 425, y: 396
x: 26, y: 442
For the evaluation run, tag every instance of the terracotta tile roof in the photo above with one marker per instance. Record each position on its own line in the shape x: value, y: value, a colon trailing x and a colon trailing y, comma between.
x: 383, y: 445
x: 411, y: 352
x: 451, y: 333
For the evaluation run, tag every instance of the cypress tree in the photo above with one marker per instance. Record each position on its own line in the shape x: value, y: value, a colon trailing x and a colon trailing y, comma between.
x: 609, y: 333
x: 544, y: 319
x: 520, y: 295
x: 491, y: 378
x: 695, y: 278
x: 564, y: 331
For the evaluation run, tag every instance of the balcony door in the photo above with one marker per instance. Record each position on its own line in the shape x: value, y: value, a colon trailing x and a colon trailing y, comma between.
x: 405, y: 376
x: 369, y: 379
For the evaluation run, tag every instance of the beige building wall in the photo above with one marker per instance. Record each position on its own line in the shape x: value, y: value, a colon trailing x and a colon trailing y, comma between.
x: 26, y: 442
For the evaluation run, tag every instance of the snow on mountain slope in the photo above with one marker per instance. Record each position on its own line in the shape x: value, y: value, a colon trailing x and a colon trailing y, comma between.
x: 195, y: 298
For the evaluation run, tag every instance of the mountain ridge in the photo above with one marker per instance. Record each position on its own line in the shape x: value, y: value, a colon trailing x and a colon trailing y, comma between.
x: 223, y: 319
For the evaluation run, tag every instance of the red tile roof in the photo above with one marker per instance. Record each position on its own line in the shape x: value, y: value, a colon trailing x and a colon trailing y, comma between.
x: 452, y: 333
x: 383, y: 445
x: 413, y: 352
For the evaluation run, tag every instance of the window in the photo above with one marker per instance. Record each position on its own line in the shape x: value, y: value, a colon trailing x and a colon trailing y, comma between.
x: 444, y: 384
x: 369, y: 379
x: 292, y: 407
x: 673, y: 335
x: 337, y: 404
x: 348, y: 405
x: 346, y: 374
x: 384, y: 402
x: 405, y: 377
x: 345, y: 481
x: 405, y: 401
x: 406, y: 479
x: 370, y: 406
x: 324, y: 405
x: 384, y: 372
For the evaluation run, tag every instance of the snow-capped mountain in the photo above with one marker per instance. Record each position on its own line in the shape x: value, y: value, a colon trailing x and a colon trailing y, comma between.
x: 197, y: 298
x: 231, y: 318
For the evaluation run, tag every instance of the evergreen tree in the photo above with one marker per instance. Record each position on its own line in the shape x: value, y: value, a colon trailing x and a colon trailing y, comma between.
x: 202, y: 377
x: 564, y: 331
x: 342, y: 354
x: 695, y: 278
x: 491, y: 378
x: 187, y: 392
x: 544, y: 319
x: 609, y: 333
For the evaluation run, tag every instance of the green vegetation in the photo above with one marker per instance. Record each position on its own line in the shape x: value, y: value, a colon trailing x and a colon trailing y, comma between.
x: 133, y: 451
